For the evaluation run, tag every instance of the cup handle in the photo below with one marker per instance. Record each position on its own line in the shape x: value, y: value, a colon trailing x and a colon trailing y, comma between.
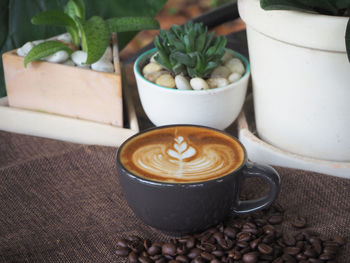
x: 268, y: 174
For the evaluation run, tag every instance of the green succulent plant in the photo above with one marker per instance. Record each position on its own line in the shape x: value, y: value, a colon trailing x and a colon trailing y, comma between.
x: 92, y: 35
x: 190, y: 50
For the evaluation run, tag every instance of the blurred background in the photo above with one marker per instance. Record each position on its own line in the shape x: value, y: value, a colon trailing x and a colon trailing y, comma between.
x: 179, y: 12
x: 16, y: 28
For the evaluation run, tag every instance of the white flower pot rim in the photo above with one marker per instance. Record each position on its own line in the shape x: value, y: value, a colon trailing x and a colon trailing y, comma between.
x: 194, y: 92
x: 310, y: 30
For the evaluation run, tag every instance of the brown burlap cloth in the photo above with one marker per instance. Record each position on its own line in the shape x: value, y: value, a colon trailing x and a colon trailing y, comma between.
x: 61, y: 202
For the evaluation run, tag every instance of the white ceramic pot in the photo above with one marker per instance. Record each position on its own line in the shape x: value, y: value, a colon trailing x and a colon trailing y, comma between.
x: 216, y: 108
x: 301, y: 80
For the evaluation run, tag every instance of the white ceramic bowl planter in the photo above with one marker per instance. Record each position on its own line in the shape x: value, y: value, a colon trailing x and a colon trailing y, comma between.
x: 301, y: 80
x: 216, y: 107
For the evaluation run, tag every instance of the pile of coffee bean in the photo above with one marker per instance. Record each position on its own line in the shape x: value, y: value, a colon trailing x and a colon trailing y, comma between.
x: 247, y: 239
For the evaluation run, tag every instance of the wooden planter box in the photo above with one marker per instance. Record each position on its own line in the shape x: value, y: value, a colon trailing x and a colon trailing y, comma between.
x: 65, y: 90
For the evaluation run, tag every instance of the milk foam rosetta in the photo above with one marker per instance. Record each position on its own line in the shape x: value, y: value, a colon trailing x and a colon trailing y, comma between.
x: 182, y: 154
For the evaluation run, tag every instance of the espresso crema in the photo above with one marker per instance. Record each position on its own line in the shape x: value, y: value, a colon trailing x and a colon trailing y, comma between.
x: 181, y: 154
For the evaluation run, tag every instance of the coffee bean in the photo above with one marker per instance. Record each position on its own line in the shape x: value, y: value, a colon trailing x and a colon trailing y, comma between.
x: 182, y: 258
x: 195, y: 252
x: 265, y: 249
x: 269, y: 229
x: 339, y: 240
x: 169, y: 249
x: 207, y: 256
x: 133, y: 257
x: 153, y: 250
x: 122, y: 242
x: 251, y: 257
x: 198, y: 260
x: 311, y: 253
x: 299, y: 222
x: 330, y: 250
x: 253, y: 244
x: 236, y: 255
x: 190, y: 242
x: 291, y: 250
x: 248, y: 239
x: 289, y: 239
x: 278, y: 260
x: 243, y: 237
x: 301, y: 256
x: 144, y: 259
x: 275, y: 219
x: 122, y: 251
x: 230, y: 232
x: 326, y: 256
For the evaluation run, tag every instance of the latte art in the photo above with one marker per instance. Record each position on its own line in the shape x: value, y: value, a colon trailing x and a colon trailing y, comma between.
x: 183, y: 155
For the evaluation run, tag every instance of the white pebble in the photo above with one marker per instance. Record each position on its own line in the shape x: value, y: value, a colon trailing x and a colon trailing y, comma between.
x: 199, y: 84
x: 103, y: 65
x: 37, y: 42
x: 217, y: 82
x: 234, y: 77
x: 79, y: 58
x: 151, y: 67
x: 153, y: 58
x: 226, y: 57
x: 235, y: 65
x: 154, y: 75
x: 58, y: 57
x: 108, y: 54
x: 182, y: 83
x: 166, y: 80
x: 220, y: 72
x: 24, y: 50
x: 66, y: 38
x: 68, y: 62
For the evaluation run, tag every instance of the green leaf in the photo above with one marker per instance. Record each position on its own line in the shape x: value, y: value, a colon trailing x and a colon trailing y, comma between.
x: 122, y: 24
x: 53, y: 17
x: 284, y: 5
x: 341, y: 4
x: 75, y: 8
x: 96, y: 38
x: 347, y: 39
x: 45, y: 49
x: 321, y: 4
x: 183, y: 58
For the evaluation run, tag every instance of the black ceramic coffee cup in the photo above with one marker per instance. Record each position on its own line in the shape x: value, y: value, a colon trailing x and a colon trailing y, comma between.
x: 188, y: 207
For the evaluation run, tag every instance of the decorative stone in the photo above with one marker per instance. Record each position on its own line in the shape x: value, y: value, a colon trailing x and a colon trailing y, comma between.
x: 66, y: 38
x: 79, y: 58
x: 234, y: 77
x: 199, y: 84
x: 166, y: 80
x: 58, y: 57
x: 68, y: 62
x: 151, y: 67
x: 24, y: 50
x: 103, y: 65
x: 217, y: 82
x: 108, y: 55
x: 182, y: 83
x: 235, y: 65
x: 37, y: 42
x: 226, y: 57
x: 154, y: 75
x: 220, y: 72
